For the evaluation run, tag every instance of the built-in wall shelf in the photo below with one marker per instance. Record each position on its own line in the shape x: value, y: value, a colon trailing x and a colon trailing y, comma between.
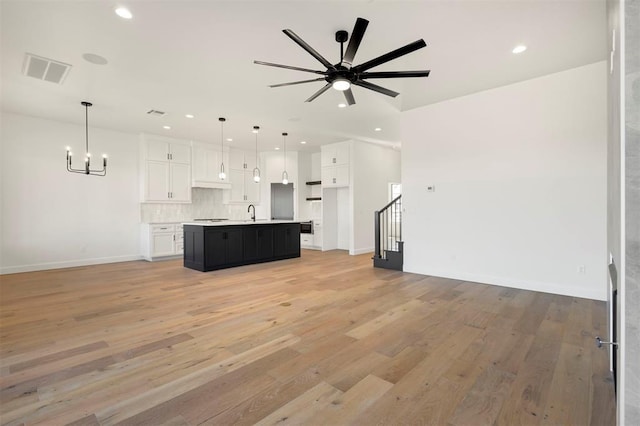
x: 314, y: 198
x: 314, y: 182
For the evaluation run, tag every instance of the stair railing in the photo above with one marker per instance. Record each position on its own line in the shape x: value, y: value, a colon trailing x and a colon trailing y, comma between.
x: 388, y: 228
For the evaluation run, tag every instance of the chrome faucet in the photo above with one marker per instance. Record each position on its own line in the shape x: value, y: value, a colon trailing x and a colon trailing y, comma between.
x: 253, y: 214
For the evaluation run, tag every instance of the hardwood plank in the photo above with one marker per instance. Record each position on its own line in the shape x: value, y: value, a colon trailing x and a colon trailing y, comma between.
x: 155, y: 343
x: 347, y: 408
x: 485, y: 399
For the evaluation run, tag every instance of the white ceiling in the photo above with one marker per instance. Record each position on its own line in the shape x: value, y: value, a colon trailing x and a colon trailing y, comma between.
x: 197, y: 57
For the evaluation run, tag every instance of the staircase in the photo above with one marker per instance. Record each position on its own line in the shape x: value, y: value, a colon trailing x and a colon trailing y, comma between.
x: 388, y: 236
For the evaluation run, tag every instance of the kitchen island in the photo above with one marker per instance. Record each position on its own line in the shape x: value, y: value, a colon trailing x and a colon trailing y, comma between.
x: 216, y: 245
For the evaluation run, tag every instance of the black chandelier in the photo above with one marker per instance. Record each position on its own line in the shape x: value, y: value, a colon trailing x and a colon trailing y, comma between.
x: 87, y: 158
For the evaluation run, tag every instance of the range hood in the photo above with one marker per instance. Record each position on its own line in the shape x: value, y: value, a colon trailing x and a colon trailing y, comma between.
x: 209, y: 184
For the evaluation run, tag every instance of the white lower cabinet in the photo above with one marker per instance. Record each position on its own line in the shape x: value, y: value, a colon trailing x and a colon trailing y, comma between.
x: 161, y: 240
x: 306, y: 240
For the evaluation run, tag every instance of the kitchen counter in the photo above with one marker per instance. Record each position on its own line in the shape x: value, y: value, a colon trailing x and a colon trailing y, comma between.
x: 239, y: 222
x: 224, y: 244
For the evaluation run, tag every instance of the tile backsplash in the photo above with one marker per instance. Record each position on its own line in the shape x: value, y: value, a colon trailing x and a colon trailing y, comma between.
x: 205, y: 203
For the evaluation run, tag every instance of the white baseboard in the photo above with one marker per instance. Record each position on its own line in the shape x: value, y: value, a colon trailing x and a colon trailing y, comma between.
x: 361, y: 251
x: 66, y: 264
x: 544, y: 287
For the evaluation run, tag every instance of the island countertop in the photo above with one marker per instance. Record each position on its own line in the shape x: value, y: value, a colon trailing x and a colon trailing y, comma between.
x: 239, y: 222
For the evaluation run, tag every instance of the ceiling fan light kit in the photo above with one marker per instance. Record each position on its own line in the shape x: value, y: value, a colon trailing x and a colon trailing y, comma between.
x: 343, y: 75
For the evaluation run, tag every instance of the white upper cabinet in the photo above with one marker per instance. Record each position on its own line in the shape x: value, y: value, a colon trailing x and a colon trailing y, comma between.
x: 242, y: 160
x: 166, y: 166
x: 206, y: 166
x: 162, y: 150
x: 335, y: 162
x: 335, y: 154
x: 243, y: 188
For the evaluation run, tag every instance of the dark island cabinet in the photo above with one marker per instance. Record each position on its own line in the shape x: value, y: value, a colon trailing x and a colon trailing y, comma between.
x: 207, y: 248
x: 286, y: 240
x: 258, y: 242
x: 222, y: 247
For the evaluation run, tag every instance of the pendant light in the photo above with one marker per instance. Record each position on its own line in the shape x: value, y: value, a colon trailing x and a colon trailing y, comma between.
x: 285, y: 175
x: 87, y: 158
x: 222, y: 175
x: 256, y: 171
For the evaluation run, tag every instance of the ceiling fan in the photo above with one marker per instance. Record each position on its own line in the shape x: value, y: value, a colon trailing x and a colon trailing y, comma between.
x: 343, y: 75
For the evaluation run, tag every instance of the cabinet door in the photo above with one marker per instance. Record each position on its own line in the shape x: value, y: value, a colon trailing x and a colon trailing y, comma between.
x: 180, y: 153
x: 215, y: 248
x: 258, y: 242
x: 180, y: 182
x: 342, y: 175
x: 162, y: 245
x: 250, y: 239
x: 328, y: 176
x: 157, y: 185
x: 249, y: 161
x: 251, y: 188
x: 328, y: 156
x: 342, y: 153
x: 235, y: 247
x: 236, y: 177
x: 157, y: 150
x: 236, y: 159
x: 286, y: 240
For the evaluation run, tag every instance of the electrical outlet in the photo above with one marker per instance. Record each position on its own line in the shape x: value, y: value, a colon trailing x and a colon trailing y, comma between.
x: 582, y: 269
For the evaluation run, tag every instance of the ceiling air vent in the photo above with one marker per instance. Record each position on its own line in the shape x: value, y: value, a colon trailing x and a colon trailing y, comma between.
x: 156, y: 112
x: 45, y: 69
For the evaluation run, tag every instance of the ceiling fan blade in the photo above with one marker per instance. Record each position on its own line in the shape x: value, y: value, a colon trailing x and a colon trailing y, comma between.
x: 354, y: 42
x: 348, y: 95
x: 297, y: 82
x: 394, y: 74
x: 376, y: 88
x: 411, y: 47
x: 319, y: 92
x: 289, y: 67
x: 293, y: 36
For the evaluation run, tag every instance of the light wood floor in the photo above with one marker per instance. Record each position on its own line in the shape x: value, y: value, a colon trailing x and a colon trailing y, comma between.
x: 321, y: 340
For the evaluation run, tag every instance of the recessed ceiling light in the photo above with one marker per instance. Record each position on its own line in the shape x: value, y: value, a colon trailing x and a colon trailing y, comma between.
x: 303, y: 142
x: 189, y: 115
x: 377, y: 129
x: 342, y: 105
x: 124, y: 13
x: 519, y: 49
x: 277, y: 148
x: 229, y: 140
x: 166, y: 127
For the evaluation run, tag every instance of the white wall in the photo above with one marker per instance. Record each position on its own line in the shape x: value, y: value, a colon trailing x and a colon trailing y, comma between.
x: 373, y: 168
x: 520, y: 178
x: 52, y: 218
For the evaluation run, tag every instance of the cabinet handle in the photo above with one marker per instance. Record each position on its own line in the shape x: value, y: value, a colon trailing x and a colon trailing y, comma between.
x: 168, y: 156
x: 334, y: 180
x: 333, y: 160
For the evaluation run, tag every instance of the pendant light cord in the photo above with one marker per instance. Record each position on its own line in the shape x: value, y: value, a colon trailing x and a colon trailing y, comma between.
x: 86, y: 127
